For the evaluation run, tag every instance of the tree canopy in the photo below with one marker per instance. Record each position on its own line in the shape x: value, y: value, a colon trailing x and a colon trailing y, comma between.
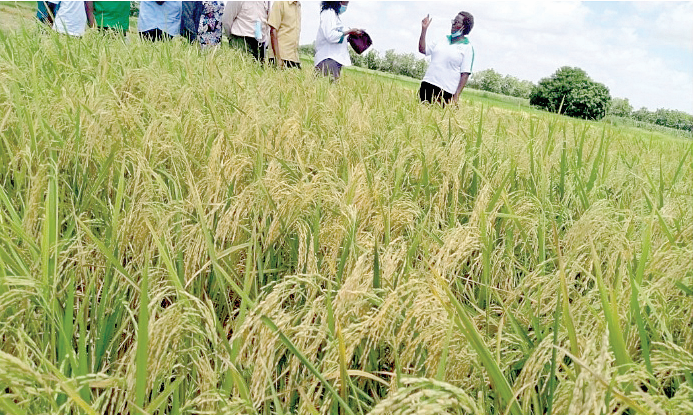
x: 572, y: 92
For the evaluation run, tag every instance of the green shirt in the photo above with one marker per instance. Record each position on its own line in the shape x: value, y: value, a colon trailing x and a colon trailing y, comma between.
x: 112, y: 14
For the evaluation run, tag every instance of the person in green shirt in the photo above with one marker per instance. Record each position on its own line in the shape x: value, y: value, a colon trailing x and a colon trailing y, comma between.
x: 109, y: 15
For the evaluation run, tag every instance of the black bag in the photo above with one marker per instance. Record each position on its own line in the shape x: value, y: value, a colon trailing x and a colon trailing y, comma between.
x: 360, y: 42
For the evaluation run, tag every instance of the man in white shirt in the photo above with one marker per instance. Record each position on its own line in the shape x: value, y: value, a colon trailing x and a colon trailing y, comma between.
x: 71, y: 18
x: 245, y: 24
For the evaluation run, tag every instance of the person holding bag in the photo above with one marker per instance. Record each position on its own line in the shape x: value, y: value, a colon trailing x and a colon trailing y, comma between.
x: 331, y: 51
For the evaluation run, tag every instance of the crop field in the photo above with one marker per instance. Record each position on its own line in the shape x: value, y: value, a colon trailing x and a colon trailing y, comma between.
x: 185, y: 232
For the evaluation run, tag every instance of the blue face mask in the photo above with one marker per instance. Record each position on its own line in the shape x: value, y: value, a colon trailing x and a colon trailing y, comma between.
x: 457, y: 38
x: 342, y: 9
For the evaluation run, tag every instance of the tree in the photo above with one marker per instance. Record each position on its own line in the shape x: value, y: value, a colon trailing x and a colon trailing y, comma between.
x: 524, y: 89
x: 404, y: 64
x: 372, y: 60
x: 420, y: 68
x: 308, y: 49
x: 570, y: 91
x: 620, y: 107
x: 643, y: 115
x: 388, y: 62
x: 487, y: 80
x: 588, y: 100
x: 673, y: 119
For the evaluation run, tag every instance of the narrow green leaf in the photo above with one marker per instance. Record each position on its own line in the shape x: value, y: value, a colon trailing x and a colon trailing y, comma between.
x: 618, y: 345
x: 142, y: 337
x: 466, y: 325
x: 289, y: 345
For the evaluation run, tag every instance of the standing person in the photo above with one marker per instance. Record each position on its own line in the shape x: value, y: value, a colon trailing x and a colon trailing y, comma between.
x: 245, y: 24
x: 285, y: 30
x: 201, y: 22
x: 451, y: 61
x: 46, y: 10
x: 109, y: 16
x: 191, y: 13
x: 71, y: 18
x: 159, y: 20
x: 331, y: 51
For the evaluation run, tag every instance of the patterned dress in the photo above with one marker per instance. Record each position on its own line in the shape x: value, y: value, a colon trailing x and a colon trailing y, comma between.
x: 209, y: 31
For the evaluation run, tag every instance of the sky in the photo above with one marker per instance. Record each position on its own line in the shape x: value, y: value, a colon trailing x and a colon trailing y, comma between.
x: 642, y: 51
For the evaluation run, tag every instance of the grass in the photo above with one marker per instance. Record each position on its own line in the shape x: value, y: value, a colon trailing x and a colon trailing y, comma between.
x: 185, y: 232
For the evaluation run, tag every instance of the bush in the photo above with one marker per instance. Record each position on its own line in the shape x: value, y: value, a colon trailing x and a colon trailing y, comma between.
x: 570, y: 91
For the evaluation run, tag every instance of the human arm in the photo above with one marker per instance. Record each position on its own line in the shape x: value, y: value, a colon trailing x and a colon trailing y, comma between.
x: 275, y: 47
x: 424, y: 28
x: 352, y: 32
x: 274, y: 21
x: 231, y: 10
x: 463, y: 81
x: 332, y: 29
x: 89, y: 6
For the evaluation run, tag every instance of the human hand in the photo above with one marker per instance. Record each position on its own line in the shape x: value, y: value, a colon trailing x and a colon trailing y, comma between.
x: 426, y: 22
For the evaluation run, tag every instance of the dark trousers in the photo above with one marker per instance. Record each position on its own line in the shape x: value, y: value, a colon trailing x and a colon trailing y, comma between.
x: 108, y: 31
x: 46, y: 11
x: 155, y: 34
x: 287, y: 64
x: 191, y: 36
x: 329, y: 67
x: 248, y: 44
x: 431, y: 93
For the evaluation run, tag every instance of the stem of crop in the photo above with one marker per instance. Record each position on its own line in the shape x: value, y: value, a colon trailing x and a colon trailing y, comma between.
x: 142, y: 337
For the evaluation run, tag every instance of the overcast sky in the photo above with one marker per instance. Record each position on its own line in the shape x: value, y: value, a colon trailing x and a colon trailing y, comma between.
x: 642, y: 51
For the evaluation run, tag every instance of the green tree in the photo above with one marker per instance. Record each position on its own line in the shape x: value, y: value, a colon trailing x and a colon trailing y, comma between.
x: 620, y: 107
x: 570, y: 91
x: 487, y: 80
x: 643, y: 115
x: 673, y: 119
x: 308, y: 49
x: 509, y: 85
x: 405, y: 64
x: 420, y: 68
x: 524, y: 89
x: 588, y: 100
x: 388, y: 63
x: 372, y: 60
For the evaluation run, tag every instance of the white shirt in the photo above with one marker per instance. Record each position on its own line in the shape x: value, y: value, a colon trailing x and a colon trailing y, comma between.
x: 447, y: 63
x: 240, y: 16
x: 331, y: 43
x: 71, y: 18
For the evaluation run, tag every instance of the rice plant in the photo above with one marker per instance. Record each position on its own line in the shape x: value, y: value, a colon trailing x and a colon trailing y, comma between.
x: 187, y: 232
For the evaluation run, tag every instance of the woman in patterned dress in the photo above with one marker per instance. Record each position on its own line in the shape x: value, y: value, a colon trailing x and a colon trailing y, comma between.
x: 201, y: 22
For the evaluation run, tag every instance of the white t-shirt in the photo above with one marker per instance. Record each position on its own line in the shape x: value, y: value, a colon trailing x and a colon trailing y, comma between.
x: 71, y: 18
x: 331, y: 43
x: 447, y: 63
